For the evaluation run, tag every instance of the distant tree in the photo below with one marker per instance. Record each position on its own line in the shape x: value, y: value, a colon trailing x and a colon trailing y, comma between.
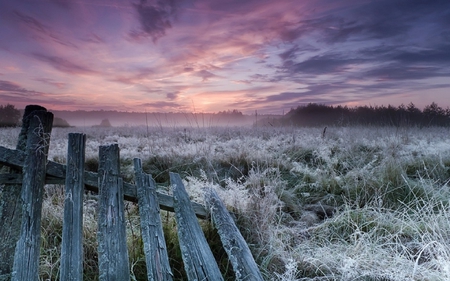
x: 105, y: 124
x: 9, y: 116
x: 59, y: 122
x: 413, y: 115
x: 233, y: 112
x: 231, y: 116
x: 435, y: 115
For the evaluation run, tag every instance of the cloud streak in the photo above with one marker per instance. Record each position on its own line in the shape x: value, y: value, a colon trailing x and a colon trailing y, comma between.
x: 64, y: 65
x: 37, y: 29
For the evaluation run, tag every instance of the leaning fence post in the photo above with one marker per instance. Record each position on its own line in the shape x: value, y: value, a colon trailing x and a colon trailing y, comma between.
x: 244, y: 266
x: 158, y: 268
x: 198, y: 259
x: 11, y: 207
x: 26, y: 257
x: 112, y: 239
x: 71, y: 266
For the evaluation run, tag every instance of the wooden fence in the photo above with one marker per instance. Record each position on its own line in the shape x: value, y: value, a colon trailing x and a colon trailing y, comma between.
x: 21, y: 206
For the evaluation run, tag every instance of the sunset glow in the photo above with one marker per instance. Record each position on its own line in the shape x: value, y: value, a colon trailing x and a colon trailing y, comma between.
x: 214, y: 55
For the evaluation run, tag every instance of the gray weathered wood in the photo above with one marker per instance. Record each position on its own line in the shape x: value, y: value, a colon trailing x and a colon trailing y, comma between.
x: 18, y: 179
x: 71, y: 265
x: 11, y: 205
x: 198, y: 259
x: 12, y: 158
x: 112, y: 239
x: 158, y: 268
x: 55, y: 171
x: 26, y: 119
x: 234, y: 244
x: 26, y: 257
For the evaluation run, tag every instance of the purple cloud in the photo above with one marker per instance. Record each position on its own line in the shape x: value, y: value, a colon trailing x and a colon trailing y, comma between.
x: 64, y: 65
x: 39, y: 29
x: 59, y: 85
x: 205, y: 75
x: 155, y: 18
x: 172, y: 96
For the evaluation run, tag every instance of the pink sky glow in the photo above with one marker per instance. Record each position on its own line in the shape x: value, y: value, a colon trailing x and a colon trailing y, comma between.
x: 215, y: 55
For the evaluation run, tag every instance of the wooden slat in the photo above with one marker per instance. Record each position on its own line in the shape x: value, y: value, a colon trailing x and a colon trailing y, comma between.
x: 11, y: 178
x: 112, y: 238
x: 14, y: 158
x: 11, y: 206
x: 198, y: 259
x: 71, y: 265
x: 157, y: 259
x: 26, y: 257
x: 239, y: 254
x: 18, y: 179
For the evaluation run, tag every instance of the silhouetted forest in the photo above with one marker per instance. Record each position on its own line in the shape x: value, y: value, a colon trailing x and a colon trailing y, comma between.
x: 324, y: 115
x: 9, y: 116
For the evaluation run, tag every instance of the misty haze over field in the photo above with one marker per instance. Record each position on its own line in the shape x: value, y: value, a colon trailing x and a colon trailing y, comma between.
x: 92, y: 118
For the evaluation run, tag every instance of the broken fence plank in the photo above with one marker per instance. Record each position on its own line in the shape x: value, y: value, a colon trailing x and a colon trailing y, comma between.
x: 11, y: 207
x: 112, y: 239
x: 71, y: 266
x: 26, y: 257
x: 157, y: 259
x: 198, y: 259
x: 239, y: 254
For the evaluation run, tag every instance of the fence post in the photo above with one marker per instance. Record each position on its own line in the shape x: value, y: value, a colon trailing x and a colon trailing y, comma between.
x: 239, y: 254
x: 112, y: 239
x: 198, y: 259
x: 71, y: 265
x: 155, y: 248
x: 11, y: 207
x: 26, y: 257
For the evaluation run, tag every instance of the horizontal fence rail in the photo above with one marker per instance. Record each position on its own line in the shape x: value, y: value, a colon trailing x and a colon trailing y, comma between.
x: 56, y: 174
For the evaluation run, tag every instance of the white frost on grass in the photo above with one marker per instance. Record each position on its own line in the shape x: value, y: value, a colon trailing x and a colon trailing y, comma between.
x: 389, y: 186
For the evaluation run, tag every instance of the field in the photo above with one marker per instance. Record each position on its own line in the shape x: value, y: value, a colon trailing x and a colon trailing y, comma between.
x: 355, y: 203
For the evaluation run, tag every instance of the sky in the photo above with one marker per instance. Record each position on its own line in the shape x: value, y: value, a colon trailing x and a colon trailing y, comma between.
x: 215, y: 55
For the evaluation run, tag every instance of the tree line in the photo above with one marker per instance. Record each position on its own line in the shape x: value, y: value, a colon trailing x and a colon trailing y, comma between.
x: 314, y: 114
x: 10, y: 116
x: 327, y: 115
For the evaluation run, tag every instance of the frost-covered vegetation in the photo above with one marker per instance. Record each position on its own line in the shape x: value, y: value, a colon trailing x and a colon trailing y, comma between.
x: 355, y: 203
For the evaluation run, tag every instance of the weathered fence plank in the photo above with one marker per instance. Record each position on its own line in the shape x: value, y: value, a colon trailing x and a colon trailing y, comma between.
x: 11, y: 205
x: 112, y: 239
x: 57, y: 171
x: 71, y: 265
x: 155, y: 248
x: 198, y: 259
x: 26, y: 257
x: 234, y: 244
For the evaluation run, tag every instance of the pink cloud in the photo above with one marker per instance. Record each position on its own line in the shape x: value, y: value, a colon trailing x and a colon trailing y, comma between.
x: 59, y: 85
x: 64, y: 65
